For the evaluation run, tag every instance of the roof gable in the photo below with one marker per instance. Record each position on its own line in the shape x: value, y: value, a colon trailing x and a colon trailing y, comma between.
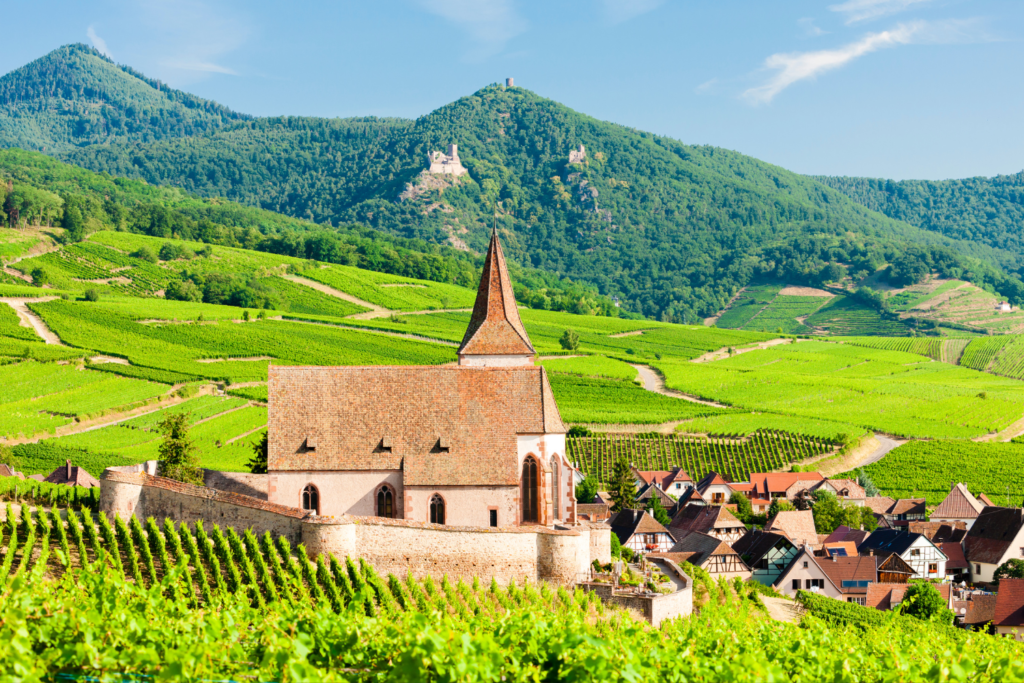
x: 703, y: 545
x: 626, y: 523
x: 797, y: 525
x: 756, y: 544
x: 494, y: 327
x: 1010, y: 603
x: 993, y: 534
x: 959, y: 504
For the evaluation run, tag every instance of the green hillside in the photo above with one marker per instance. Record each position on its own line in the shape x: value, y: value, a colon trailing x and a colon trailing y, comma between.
x: 672, y: 230
x: 986, y: 210
x: 75, y: 96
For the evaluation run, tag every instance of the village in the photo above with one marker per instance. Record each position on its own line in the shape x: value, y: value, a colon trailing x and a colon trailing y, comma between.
x: 461, y: 470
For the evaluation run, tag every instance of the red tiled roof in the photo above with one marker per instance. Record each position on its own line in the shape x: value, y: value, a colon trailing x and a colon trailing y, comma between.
x: 652, y: 476
x: 908, y: 506
x: 852, y: 488
x: 844, y: 534
x: 777, y: 482
x: 986, y: 500
x: 675, y: 475
x: 954, y: 554
x: 938, y: 532
x: 797, y: 525
x: 72, y: 475
x: 885, y: 595
x: 849, y: 546
x: 742, y: 487
x: 959, y: 504
x: 710, y: 479
x: 856, y: 568
x: 494, y: 327
x: 350, y: 411
x: 879, y: 504
x: 980, y: 609
x: 7, y: 471
x: 703, y: 545
x: 1010, y: 603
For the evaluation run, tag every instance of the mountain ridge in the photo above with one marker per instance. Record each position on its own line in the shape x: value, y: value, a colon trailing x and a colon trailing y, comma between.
x: 672, y: 230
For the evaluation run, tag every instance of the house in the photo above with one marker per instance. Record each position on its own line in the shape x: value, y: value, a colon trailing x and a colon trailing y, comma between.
x: 713, y: 520
x: 646, y: 477
x: 8, y: 471
x: 1003, y: 307
x: 907, y: 510
x: 640, y: 532
x: 652, y: 490
x: 677, y: 482
x: 593, y: 512
x: 975, y: 612
x: 479, y: 443
x: 72, y: 475
x: 892, y: 568
x: 879, y: 505
x: 1009, y: 616
x: 958, y: 506
x: 796, y: 525
x: 957, y: 568
x: 939, y: 532
x: 603, y: 498
x: 844, y: 534
x: 887, y: 596
x: 996, y: 536
x: 690, y: 497
x: 758, y: 505
x: 772, y: 485
x: 710, y: 554
x: 927, y: 559
x: 842, y: 578
x: 714, y: 489
x: 767, y: 554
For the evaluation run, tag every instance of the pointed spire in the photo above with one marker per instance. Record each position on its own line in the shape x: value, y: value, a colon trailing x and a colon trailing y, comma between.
x: 495, y: 328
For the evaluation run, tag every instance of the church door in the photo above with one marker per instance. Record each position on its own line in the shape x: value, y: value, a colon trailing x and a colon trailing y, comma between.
x: 530, y: 496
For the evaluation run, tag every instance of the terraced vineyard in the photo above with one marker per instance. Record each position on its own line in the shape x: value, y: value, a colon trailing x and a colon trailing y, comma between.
x: 10, y: 325
x: 734, y: 459
x: 782, y: 313
x: 936, y: 349
x: 391, y: 291
x: 845, y: 317
x: 982, y: 350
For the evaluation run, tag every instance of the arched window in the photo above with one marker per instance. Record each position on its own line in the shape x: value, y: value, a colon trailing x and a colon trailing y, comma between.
x: 530, y: 490
x: 311, y: 499
x: 436, y: 509
x: 555, y: 500
x: 386, y: 502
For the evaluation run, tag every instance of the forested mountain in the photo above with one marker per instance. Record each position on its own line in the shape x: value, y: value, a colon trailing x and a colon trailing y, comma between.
x: 673, y: 230
x: 75, y: 96
x: 987, y: 210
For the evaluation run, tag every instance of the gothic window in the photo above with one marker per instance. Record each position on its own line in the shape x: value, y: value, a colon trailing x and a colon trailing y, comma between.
x: 311, y: 499
x: 436, y: 509
x: 386, y: 502
x: 530, y: 491
x: 554, y: 489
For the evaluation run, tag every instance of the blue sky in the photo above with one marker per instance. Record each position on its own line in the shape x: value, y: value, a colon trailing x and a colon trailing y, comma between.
x: 881, y: 88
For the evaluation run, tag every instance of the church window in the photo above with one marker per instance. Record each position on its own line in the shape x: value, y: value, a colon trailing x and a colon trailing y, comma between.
x: 530, y: 513
x: 386, y: 502
x: 554, y: 488
x: 311, y: 499
x: 436, y: 509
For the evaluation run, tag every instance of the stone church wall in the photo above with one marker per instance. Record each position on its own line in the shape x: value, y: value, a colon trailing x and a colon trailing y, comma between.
x: 560, y: 555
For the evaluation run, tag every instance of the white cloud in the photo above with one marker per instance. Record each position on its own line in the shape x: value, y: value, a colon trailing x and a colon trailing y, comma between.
x: 488, y: 23
x: 208, y: 67
x: 797, y: 66
x: 98, y: 42
x: 810, y: 29
x: 865, y: 10
x: 618, y: 11
x: 705, y: 86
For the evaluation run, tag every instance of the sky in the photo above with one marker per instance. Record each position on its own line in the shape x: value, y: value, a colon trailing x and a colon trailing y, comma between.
x: 928, y: 89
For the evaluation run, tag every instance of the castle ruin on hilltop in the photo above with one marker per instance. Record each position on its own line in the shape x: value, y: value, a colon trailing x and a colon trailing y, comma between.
x: 577, y: 156
x: 446, y: 164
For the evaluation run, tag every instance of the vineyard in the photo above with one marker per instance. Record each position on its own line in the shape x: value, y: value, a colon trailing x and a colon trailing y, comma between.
x: 889, y: 391
x: 734, y: 459
x: 782, y: 313
x: 10, y: 325
x: 134, y: 601
x: 608, y: 401
x: 926, y: 469
x: 980, y: 352
x: 844, y: 316
x: 592, y: 366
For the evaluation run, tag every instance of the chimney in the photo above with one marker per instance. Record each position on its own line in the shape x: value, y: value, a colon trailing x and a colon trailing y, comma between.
x: 871, y: 552
x: 68, y: 465
x: 835, y: 557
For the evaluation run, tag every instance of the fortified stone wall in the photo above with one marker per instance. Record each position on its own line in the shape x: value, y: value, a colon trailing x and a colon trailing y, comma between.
x: 561, y: 555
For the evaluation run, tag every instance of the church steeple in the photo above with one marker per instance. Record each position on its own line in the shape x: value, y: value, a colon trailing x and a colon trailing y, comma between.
x: 496, y: 336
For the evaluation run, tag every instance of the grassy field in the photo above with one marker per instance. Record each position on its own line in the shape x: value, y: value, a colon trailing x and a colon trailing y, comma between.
x: 893, y: 392
x: 926, y: 469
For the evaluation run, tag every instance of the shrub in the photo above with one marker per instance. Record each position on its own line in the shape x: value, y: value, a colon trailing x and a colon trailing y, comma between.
x: 92, y: 295
x: 145, y: 254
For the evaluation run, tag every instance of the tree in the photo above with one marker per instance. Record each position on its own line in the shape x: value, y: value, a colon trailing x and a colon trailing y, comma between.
x: 570, y: 341
x: 623, y: 488
x: 924, y: 601
x: 145, y: 254
x: 577, y: 431
x: 864, y: 481
x: 587, y: 489
x: 658, y: 511
x: 39, y: 276
x: 828, y: 513
x: 183, y: 290
x: 616, y: 546
x: 73, y: 224
x: 743, y: 508
x: 779, y: 505
x: 260, y: 453
x: 1011, y: 569
x: 178, y: 456
x: 8, y: 458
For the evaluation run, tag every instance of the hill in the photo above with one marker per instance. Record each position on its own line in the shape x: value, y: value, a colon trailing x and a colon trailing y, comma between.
x: 670, y: 229
x: 986, y: 210
x: 75, y: 96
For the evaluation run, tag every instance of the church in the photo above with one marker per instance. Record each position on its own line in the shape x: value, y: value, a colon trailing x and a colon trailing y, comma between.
x: 479, y: 443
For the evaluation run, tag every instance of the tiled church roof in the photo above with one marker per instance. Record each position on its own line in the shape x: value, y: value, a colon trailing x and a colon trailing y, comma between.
x: 444, y: 425
x: 495, y: 328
